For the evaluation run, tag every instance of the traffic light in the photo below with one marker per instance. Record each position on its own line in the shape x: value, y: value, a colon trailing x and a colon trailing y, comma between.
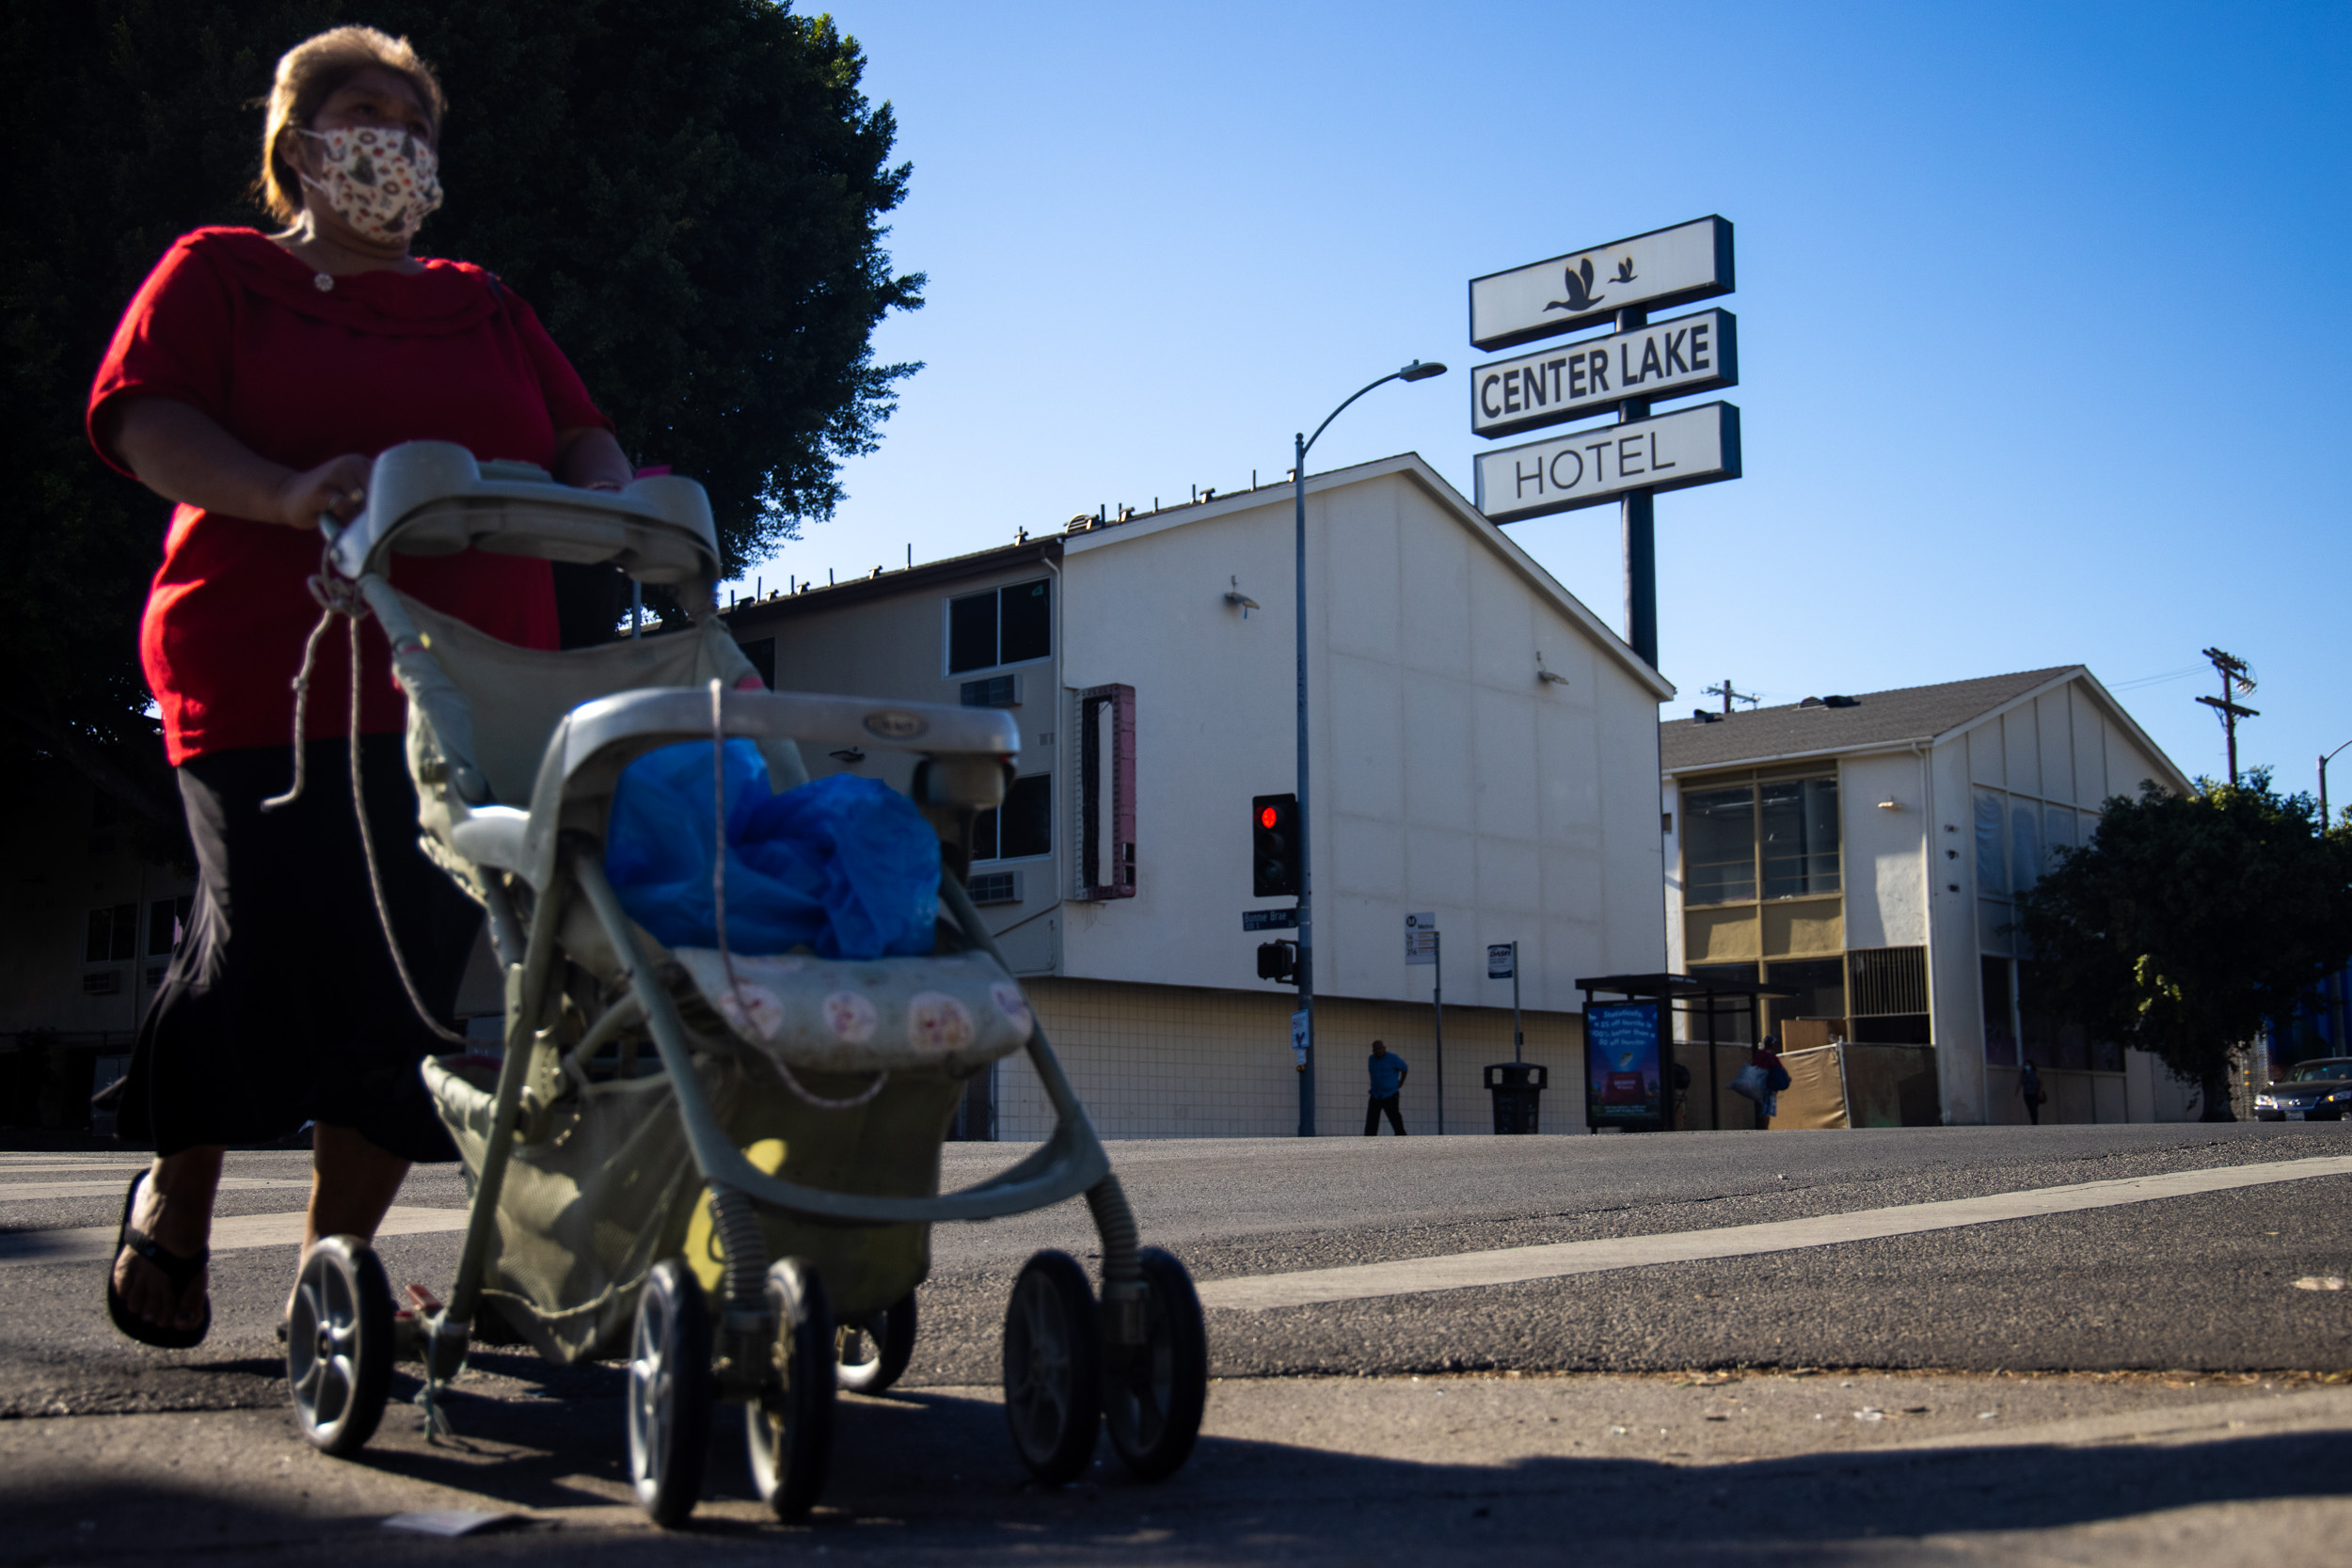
x: 1274, y: 846
x: 1277, y: 961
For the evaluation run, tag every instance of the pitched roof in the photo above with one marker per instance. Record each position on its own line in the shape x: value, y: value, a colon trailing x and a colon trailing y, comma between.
x: 1876, y: 718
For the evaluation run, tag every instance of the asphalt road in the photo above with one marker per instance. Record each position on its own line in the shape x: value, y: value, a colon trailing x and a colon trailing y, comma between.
x: 2130, y: 1315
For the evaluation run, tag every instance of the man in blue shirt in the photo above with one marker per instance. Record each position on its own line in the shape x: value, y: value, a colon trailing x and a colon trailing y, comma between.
x: 1387, y: 1080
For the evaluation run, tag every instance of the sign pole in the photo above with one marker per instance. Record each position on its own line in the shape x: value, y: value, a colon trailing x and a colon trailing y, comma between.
x: 1639, y: 512
x: 1436, y: 1001
x: 1517, y: 1038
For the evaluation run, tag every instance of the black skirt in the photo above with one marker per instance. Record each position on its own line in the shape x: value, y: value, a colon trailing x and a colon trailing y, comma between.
x: 281, y: 1005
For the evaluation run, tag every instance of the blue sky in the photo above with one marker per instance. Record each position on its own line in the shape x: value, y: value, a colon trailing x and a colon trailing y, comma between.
x: 2036, y: 362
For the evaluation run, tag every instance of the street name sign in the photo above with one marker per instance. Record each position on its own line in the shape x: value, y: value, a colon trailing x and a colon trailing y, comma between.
x: 1543, y: 299
x: 1420, y: 939
x: 1269, y: 920
x: 1600, y: 463
x: 1573, y: 381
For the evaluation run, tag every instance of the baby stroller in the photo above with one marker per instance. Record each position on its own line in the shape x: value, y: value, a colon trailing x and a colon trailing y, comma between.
x: 742, y: 1211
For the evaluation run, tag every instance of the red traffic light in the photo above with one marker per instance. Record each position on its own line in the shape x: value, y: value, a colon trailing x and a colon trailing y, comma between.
x: 1268, y: 817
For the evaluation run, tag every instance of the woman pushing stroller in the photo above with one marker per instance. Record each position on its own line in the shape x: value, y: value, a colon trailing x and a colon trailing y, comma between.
x: 251, y: 381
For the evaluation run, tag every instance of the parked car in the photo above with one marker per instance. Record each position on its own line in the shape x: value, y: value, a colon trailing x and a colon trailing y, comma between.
x: 2312, y: 1092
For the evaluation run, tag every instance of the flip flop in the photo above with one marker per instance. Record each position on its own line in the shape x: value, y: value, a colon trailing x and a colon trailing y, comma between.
x: 176, y: 1269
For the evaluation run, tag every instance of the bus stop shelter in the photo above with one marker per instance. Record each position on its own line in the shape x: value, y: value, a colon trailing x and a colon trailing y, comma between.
x: 1629, y: 1043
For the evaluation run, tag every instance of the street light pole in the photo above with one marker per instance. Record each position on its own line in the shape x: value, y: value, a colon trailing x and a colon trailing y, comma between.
x: 2338, y: 1017
x: 1416, y: 371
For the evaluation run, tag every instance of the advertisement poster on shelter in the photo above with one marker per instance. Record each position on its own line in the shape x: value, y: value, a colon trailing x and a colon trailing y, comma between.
x: 1621, y: 1062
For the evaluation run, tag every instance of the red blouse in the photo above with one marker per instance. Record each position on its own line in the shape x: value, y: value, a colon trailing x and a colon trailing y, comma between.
x: 234, y: 326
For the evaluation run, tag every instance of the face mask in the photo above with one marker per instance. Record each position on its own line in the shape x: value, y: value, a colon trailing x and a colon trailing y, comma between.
x: 380, y: 182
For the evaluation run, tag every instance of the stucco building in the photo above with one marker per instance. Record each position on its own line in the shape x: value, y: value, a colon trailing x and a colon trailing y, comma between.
x: 1864, y: 851
x: 1483, y: 748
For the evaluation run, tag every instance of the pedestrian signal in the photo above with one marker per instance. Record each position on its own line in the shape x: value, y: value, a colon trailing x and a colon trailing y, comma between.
x: 1275, y: 847
x: 1277, y: 961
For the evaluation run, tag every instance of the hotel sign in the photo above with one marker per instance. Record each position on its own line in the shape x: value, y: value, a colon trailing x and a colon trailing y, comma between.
x: 1666, y: 266
x: 1585, y: 467
x: 1571, y: 381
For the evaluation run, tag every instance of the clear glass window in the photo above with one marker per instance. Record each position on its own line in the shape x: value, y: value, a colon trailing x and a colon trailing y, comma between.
x: 1719, y: 845
x: 2000, y: 1017
x: 1820, y: 985
x: 972, y: 632
x: 1992, y: 855
x: 1022, y: 826
x: 1004, y: 626
x: 1800, y: 838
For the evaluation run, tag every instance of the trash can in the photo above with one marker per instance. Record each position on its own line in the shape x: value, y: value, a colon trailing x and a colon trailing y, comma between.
x: 1518, y: 1087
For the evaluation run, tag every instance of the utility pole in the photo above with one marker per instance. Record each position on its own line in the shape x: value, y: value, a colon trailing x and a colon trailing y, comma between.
x: 2238, y: 675
x: 1730, y: 695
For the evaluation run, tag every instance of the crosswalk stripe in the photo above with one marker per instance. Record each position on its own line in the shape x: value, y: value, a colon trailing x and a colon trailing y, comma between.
x: 1555, y: 1260
x: 230, y: 1233
x: 21, y: 1192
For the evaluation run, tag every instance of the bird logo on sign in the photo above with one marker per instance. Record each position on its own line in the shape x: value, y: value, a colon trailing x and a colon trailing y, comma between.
x: 1580, y: 287
x: 1624, y: 271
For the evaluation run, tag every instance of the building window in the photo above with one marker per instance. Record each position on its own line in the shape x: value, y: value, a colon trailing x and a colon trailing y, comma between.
x: 1719, y: 846
x: 1799, y: 818
x: 111, y: 935
x: 1023, y: 827
x: 168, y: 925
x: 1780, y: 835
x: 1991, y: 858
x: 2000, y: 1010
x: 1820, y: 985
x: 1732, y: 1023
x: 1004, y: 626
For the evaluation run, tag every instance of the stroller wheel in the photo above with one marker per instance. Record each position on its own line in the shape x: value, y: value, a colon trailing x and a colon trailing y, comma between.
x: 1053, y: 1368
x: 790, y: 1423
x: 871, y: 1354
x: 669, y: 1394
x: 339, y: 1345
x: 1154, y: 1393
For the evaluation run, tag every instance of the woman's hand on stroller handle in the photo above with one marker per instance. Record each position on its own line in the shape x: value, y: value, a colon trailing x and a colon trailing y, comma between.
x: 336, y: 489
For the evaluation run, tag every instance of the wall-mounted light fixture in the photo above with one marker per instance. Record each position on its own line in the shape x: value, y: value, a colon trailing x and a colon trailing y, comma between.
x: 1242, y: 601
x: 1890, y: 803
x: 1549, y: 677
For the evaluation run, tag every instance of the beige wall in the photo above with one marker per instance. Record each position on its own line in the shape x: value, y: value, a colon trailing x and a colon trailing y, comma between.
x: 1173, y: 1061
x: 1448, y: 777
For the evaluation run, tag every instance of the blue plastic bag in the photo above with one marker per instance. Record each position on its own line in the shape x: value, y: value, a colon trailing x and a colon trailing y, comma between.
x: 845, y: 865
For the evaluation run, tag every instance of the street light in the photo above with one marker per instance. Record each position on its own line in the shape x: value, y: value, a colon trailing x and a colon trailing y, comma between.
x: 2323, y: 785
x: 1416, y: 371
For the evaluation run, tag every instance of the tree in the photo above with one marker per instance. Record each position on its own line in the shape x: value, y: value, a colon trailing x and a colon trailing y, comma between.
x: 690, y: 191
x: 2189, y: 921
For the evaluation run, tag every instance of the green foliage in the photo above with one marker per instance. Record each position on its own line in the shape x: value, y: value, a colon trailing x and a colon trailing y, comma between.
x: 690, y: 191
x: 2189, y: 921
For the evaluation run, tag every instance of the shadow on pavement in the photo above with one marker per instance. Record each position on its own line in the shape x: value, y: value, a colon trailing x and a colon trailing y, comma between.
x: 921, y: 1477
